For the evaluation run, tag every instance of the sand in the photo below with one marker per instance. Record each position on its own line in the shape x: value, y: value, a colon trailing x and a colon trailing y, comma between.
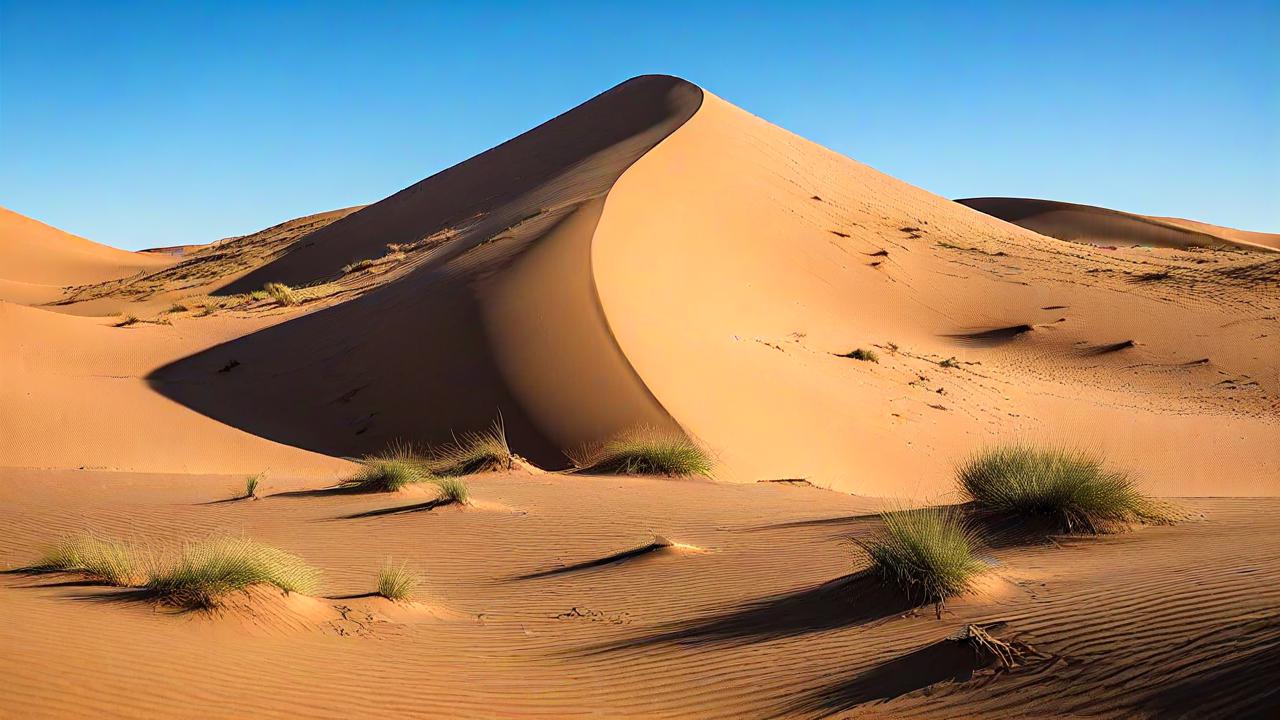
x: 656, y: 257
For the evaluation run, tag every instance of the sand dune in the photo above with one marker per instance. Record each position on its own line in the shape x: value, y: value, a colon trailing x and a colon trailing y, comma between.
x: 37, y: 261
x: 695, y: 265
x: 1100, y: 226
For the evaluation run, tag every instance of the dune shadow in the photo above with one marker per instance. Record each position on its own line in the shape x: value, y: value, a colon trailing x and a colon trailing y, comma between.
x: 1106, y: 348
x: 839, y: 521
x: 326, y: 492
x: 992, y: 337
x: 940, y: 662
x: 845, y: 602
x: 658, y: 544
x: 353, y: 596
x: 400, y: 509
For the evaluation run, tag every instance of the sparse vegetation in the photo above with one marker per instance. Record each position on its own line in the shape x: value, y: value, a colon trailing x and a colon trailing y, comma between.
x: 645, y: 451
x: 949, y: 363
x: 396, y: 582
x: 281, y: 293
x: 474, y: 452
x: 389, y: 472
x: 106, y: 561
x: 861, y: 354
x: 453, y: 490
x: 251, y: 487
x: 178, y: 308
x: 1071, y: 488
x: 930, y: 553
x: 206, y: 570
x: 128, y: 319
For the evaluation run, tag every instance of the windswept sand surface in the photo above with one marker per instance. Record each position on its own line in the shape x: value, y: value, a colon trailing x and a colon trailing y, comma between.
x: 653, y: 257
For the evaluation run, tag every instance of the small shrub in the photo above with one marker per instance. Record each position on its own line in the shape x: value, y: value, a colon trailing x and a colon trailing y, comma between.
x: 1071, y: 488
x: 107, y: 561
x: 206, y: 570
x: 645, y: 451
x: 251, y: 486
x: 475, y: 452
x: 860, y: 354
x: 930, y: 553
x: 388, y: 473
x: 178, y: 308
x: 258, y: 295
x: 396, y: 583
x: 127, y: 320
x: 281, y: 293
x: 949, y: 363
x: 453, y: 490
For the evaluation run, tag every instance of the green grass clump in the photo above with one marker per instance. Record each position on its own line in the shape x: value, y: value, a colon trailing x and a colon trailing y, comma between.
x: 281, y: 293
x: 645, y: 451
x: 206, y: 570
x: 388, y: 473
x: 396, y: 582
x: 107, y: 561
x: 930, y: 553
x: 1071, y: 488
x: 860, y: 354
x: 473, y: 453
x: 453, y: 490
x: 251, y: 484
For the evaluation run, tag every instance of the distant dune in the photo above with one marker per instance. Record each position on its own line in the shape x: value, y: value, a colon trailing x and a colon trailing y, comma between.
x: 37, y: 260
x: 1100, y: 226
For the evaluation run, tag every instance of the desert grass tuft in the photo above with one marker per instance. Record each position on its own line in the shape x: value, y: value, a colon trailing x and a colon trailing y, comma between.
x: 1071, y: 488
x: 861, y: 354
x: 107, y: 561
x: 453, y: 490
x: 251, y: 484
x: 127, y: 320
x: 949, y: 363
x: 281, y: 293
x: 930, y: 553
x: 206, y: 570
x: 474, y: 452
x: 645, y: 451
x: 396, y: 582
x: 177, y: 308
x: 391, y: 471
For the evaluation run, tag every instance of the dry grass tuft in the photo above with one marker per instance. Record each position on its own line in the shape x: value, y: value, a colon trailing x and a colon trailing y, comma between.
x: 930, y: 553
x: 281, y: 293
x: 474, y: 452
x: 453, y: 490
x: 106, y: 561
x: 392, y: 470
x: 396, y: 582
x: 206, y: 570
x: 645, y: 451
x: 861, y: 354
x: 1069, y: 487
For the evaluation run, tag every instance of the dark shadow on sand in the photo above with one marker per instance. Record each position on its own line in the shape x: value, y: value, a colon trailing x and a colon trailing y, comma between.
x: 658, y: 544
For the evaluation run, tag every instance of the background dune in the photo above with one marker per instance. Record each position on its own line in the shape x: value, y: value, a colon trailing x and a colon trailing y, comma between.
x: 1100, y: 226
x: 37, y: 261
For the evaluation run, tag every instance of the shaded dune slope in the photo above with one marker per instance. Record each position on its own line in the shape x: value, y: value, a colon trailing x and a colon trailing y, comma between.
x: 500, y: 319
x: 1101, y: 226
x: 37, y: 261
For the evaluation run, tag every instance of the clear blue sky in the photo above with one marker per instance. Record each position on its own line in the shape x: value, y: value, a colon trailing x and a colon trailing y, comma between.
x: 159, y: 123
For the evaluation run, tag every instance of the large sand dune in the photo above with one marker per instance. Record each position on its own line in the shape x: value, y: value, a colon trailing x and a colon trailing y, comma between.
x: 1101, y: 226
x: 658, y: 255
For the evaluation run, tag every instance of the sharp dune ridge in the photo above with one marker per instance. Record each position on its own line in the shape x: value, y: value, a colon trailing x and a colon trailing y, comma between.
x: 654, y: 258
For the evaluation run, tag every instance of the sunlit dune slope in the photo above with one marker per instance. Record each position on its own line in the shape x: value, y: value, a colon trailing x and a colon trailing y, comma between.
x: 37, y: 261
x: 1101, y: 226
x: 657, y: 255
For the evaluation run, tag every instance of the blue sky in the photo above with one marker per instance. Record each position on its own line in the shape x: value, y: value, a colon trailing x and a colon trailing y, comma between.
x: 157, y: 123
